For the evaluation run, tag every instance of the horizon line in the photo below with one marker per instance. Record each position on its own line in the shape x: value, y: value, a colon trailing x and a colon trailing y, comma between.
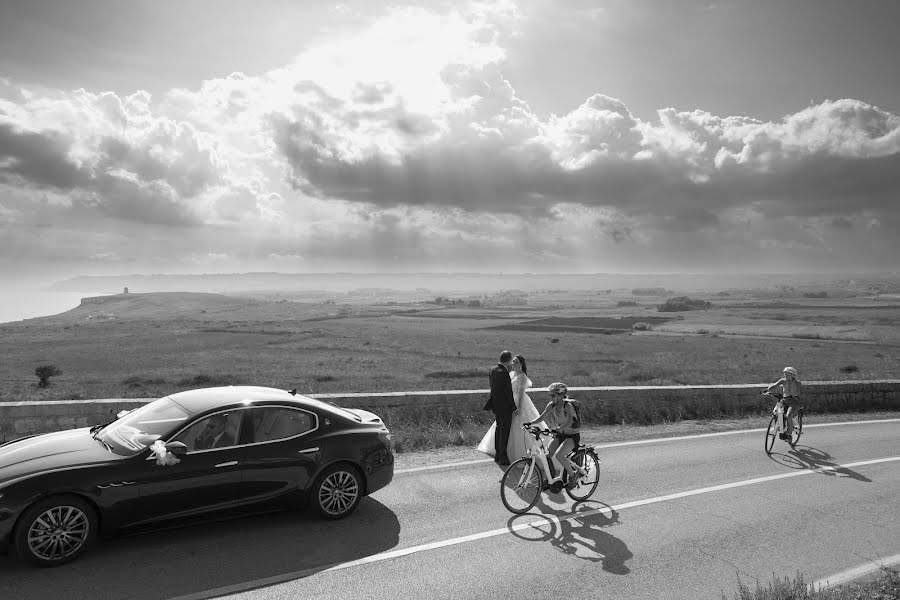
x: 495, y: 273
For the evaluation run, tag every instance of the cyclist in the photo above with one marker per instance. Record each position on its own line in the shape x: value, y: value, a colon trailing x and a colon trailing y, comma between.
x: 790, y: 391
x: 559, y: 417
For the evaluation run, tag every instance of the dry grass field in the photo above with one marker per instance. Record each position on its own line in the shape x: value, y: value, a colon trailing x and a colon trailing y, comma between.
x: 149, y: 345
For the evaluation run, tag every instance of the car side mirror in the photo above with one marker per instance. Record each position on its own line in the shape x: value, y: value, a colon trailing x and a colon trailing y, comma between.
x: 176, y: 448
x: 122, y: 413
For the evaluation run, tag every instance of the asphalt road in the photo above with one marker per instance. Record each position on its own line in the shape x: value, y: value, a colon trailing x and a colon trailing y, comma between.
x: 683, y: 518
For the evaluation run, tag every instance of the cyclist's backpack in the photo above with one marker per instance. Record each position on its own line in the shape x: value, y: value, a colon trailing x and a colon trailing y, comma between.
x: 576, y: 407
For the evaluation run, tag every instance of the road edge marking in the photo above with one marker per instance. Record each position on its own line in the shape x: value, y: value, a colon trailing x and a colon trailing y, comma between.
x: 849, y: 575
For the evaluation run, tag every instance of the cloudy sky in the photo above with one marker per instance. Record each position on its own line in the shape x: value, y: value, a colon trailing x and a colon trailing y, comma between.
x: 536, y: 136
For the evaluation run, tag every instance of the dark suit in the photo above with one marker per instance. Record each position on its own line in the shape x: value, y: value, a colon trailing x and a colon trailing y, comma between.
x: 207, y: 442
x: 502, y: 404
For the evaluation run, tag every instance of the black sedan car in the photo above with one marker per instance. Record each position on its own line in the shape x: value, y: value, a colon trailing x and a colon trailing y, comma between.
x: 183, y: 458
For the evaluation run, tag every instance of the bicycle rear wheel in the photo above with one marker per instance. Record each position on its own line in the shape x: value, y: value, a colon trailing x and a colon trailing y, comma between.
x: 771, y: 434
x: 588, y: 483
x: 521, y: 486
x: 798, y: 429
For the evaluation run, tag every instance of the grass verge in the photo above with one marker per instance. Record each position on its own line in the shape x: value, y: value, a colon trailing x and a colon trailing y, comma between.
x: 884, y: 585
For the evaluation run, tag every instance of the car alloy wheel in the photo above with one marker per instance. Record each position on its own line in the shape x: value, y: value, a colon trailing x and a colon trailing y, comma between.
x: 56, y: 531
x: 337, y: 492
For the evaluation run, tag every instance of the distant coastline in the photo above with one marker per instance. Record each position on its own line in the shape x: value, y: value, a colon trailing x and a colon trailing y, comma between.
x: 61, y: 296
x: 445, y: 282
x: 31, y: 303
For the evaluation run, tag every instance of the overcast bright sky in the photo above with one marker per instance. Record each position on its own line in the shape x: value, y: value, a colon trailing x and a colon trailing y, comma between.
x: 543, y: 136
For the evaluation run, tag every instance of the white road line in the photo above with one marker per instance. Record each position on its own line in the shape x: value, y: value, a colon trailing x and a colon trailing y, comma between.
x: 642, y: 442
x: 383, y: 556
x: 854, y: 573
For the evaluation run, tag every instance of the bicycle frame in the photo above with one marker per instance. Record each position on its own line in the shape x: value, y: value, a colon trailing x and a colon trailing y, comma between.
x: 781, y: 421
x: 778, y: 410
x: 541, y: 454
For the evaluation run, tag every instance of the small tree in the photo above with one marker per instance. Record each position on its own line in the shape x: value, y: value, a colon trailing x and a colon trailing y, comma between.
x: 44, y: 373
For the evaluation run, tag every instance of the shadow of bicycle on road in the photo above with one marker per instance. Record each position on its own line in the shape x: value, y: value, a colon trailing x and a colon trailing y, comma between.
x: 245, y: 553
x: 814, y: 458
x: 809, y: 458
x: 580, y: 533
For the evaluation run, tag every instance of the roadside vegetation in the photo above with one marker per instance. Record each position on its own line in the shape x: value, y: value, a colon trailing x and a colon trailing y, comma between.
x: 416, y: 429
x: 884, y: 585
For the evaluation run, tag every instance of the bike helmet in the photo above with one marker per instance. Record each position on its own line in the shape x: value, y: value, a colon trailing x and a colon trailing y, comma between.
x: 791, y: 370
x: 558, y: 387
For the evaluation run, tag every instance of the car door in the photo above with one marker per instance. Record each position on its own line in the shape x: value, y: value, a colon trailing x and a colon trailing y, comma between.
x: 283, y: 454
x: 207, y: 478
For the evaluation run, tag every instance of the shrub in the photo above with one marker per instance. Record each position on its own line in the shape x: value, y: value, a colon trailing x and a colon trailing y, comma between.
x: 626, y: 303
x: 44, y: 373
x: 682, y: 303
x: 641, y: 326
x: 634, y: 377
x: 456, y: 374
x: 849, y: 369
x: 210, y: 380
x: 554, y: 340
x: 649, y: 291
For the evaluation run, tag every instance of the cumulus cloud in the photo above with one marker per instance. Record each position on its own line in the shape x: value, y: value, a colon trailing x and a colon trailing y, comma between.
x: 406, y: 142
x: 38, y: 157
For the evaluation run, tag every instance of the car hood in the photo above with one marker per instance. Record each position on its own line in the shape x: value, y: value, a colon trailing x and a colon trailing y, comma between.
x: 50, y: 451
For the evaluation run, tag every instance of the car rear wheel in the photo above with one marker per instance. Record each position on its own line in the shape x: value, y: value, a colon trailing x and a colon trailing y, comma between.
x: 56, y: 530
x: 337, y: 491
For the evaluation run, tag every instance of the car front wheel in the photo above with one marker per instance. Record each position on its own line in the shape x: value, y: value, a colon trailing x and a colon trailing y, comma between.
x: 56, y: 531
x: 337, y: 491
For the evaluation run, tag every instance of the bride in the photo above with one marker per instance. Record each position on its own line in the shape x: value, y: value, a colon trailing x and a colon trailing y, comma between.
x: 526, y: 412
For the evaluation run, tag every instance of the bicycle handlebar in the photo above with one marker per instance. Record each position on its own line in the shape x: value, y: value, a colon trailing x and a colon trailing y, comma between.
x: 537, y: 430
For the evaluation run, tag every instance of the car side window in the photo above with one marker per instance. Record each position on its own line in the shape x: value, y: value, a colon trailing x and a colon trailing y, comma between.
x: 276, y: 423
x: 220, y: 430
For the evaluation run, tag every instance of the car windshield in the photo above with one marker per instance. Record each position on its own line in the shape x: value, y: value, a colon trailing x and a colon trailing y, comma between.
x: 143, y: 426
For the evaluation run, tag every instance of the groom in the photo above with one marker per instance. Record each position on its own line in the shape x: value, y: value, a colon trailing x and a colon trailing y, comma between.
x: 502, y: 404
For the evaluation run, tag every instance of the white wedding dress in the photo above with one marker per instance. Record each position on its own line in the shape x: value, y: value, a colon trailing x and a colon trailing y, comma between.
x: 518, y: 442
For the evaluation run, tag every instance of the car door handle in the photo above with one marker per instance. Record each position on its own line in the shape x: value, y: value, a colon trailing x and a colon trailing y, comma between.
x: 308, y: 450
x: 230, y: 463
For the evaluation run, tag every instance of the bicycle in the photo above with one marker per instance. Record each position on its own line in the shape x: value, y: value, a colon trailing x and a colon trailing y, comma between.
x: 523, y: 482
x: 777, y: 425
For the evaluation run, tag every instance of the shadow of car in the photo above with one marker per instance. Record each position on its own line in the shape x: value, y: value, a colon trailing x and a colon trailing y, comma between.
x: 185, y: 457
x: 220, y: 558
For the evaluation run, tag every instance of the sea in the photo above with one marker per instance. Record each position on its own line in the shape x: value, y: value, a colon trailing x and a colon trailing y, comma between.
x: 28, y: 303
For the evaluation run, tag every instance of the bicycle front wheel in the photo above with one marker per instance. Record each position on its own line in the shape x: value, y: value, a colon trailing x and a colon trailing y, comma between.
x: 521, y: 486
x: 798, y: 429
x: 588, y: 482
x: 771, y: 433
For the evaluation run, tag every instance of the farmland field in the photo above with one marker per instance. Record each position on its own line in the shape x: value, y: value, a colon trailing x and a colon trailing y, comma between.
x: 148, y: 345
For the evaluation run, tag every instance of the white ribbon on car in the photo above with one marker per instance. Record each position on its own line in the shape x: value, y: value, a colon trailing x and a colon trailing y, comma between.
x: 163, y: 456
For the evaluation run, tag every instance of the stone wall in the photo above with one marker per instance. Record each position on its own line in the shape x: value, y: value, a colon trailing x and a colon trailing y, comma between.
x: 18, y: 419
